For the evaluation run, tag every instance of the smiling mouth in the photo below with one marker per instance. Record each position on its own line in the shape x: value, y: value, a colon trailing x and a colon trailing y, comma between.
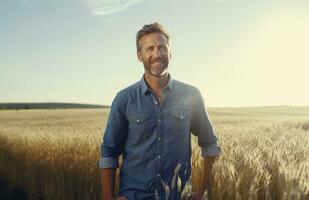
x: 157, y: 63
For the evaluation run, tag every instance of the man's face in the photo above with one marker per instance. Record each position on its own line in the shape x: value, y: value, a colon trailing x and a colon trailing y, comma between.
x: 154, y: 53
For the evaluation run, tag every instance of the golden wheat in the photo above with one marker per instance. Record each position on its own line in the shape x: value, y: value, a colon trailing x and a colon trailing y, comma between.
x: 53, y: 153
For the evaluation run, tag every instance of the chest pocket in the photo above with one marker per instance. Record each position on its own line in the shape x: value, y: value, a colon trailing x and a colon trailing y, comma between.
x: 179, y: 121
x: 138, y: 118
x: 139, y: 125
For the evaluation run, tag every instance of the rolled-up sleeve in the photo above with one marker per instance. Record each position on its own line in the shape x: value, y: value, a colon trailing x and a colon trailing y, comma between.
x: 115, y: 135
x: 203, y: 129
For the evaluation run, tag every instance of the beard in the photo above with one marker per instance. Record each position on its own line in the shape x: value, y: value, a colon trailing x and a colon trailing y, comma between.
x: 156, y: 67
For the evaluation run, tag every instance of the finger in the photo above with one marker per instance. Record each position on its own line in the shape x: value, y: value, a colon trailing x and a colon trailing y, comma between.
x: 121, y: 198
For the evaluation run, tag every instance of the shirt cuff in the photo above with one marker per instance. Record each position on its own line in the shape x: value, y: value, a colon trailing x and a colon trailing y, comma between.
x: 212, y: 150
x: 108, y: 163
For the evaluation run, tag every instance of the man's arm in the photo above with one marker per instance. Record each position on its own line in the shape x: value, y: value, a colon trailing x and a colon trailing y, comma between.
x: 108, y: 183
x: 208, y: 163
x: 207, y: 140
x: 112, y: 147
x: 206, y: 181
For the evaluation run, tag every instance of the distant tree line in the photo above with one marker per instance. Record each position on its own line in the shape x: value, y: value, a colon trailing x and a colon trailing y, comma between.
x: 16, y: 106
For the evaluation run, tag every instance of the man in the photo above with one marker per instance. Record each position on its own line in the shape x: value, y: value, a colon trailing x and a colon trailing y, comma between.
x: 150, y: 124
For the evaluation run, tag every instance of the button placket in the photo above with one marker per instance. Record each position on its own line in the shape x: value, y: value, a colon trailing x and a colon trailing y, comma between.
x: 159, y: 146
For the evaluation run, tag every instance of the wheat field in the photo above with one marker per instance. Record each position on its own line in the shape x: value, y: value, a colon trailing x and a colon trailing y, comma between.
x: 53, y: 153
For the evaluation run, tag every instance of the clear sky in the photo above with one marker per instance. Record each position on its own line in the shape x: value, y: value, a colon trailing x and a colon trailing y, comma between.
x: 237, y: 52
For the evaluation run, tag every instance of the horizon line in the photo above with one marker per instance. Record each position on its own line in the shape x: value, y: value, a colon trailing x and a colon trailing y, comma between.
x: 109, y: 105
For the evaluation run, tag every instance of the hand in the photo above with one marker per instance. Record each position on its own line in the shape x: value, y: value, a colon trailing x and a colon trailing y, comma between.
x: 198, y: 196
x: 121, y: 198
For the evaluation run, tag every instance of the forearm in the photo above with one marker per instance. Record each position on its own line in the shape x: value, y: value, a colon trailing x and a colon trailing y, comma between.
x: 108, y: 183
x: 207, y: 163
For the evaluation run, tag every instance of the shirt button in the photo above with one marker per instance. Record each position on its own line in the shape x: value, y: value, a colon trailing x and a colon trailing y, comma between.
x: 159, y: 156
x: 137, y: 120
x: 158, y: 175
x: 159, y: 120
x: 181, y: 117
x: 159, y: 138
x: 156, y: 102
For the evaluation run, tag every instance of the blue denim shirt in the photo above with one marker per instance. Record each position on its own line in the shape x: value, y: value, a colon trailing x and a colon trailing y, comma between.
x: 153, y: 139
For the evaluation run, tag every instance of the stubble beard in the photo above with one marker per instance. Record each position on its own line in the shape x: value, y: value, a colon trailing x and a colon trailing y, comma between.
x: 148, y: 68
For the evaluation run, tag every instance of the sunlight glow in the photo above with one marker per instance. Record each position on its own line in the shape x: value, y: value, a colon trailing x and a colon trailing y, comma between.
x: 271, y: 58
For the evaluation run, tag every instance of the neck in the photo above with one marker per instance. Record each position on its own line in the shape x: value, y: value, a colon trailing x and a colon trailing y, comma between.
x: 157, y: 83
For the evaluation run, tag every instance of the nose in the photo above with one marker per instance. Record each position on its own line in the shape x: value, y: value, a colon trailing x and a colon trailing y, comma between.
x: 157, y: 53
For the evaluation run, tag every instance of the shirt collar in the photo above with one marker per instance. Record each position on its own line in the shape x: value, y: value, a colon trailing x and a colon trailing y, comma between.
x: 146, y: 89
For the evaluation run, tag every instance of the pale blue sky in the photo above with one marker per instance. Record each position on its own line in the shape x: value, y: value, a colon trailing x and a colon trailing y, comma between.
x: 237, y: 52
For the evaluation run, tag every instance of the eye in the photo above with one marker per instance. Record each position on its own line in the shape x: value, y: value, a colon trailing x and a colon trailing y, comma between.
x: 163, y: 48
x: 149, y: 49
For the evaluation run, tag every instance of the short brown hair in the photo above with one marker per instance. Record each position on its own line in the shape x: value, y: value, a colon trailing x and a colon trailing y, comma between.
x: 148, y: 29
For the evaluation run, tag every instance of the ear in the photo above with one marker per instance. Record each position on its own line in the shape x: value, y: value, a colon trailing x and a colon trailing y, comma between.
x: 139, y: 56
x: 170, y: 52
